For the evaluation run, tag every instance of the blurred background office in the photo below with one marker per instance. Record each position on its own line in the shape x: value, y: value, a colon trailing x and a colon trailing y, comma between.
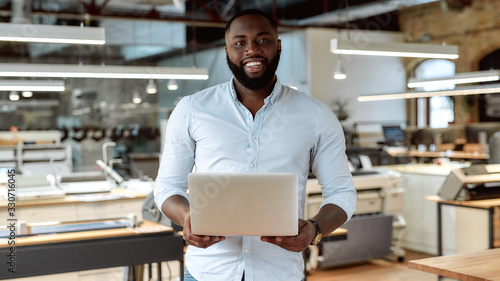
x: 87, y: 87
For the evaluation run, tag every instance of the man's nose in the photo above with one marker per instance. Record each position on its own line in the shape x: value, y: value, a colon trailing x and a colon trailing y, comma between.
x: 252, y: 48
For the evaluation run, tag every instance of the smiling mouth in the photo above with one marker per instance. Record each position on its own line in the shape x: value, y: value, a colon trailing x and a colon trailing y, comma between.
x: 254, y: 66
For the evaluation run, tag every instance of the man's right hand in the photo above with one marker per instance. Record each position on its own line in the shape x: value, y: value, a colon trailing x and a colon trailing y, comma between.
x: 200, y: 241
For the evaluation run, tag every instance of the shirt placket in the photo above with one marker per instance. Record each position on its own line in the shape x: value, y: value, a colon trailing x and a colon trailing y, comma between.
x: 254, y: 142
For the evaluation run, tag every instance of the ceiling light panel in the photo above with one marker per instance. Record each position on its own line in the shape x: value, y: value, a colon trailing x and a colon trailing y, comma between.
x: 393, y: 49
x: 459, y: 91
x: 98, y: 71
x: 32, y: 85
x: 51, y: 34
x: 461, y: 78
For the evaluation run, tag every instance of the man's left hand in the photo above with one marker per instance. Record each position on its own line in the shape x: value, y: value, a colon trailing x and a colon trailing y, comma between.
x: 297, y: 243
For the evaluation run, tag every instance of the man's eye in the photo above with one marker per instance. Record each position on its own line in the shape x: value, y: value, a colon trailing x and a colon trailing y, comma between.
x: 239, y: 43
x: 263, y: 40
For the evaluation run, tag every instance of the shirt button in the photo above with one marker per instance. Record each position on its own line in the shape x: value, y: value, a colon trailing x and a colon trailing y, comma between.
x: 251, y: 165
x: 246, y: 251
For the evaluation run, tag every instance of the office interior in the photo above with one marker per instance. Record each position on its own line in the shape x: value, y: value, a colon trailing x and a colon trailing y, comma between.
x: 84, y: 158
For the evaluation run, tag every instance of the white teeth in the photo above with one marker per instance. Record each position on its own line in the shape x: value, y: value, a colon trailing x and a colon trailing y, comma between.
x: 254, y: 63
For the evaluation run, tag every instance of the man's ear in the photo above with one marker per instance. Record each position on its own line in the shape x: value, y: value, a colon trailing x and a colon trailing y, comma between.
x: 279, y: 46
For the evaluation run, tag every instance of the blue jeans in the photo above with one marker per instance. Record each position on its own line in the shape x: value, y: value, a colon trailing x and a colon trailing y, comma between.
x: 188, y: 276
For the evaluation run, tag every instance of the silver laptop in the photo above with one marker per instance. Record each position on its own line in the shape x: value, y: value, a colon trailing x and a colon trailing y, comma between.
x: 243, y: 204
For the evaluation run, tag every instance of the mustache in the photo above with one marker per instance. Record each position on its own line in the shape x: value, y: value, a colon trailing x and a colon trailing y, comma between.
x: 253, y: 57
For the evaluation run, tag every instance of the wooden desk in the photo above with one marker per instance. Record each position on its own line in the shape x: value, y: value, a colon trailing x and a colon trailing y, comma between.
x: 477, y: 266
x: 69, y: 252
x: 449, y: 154
x: 488, y: 204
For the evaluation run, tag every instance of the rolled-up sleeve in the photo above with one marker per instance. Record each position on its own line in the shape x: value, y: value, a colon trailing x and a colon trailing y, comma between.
x: 330, y: 164
x: 177, y: 158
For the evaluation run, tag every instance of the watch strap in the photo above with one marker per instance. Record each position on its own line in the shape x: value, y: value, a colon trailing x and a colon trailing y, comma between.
x: 317, y: 236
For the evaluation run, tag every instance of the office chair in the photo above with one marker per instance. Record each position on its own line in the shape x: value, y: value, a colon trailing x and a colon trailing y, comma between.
x: 494, y: 148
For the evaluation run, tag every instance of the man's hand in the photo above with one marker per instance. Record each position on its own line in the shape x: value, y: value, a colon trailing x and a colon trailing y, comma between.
x: 297, y: 243
x: 201, y: 241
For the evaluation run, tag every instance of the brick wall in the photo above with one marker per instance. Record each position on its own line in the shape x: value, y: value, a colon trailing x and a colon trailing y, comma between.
x: 476, y: 30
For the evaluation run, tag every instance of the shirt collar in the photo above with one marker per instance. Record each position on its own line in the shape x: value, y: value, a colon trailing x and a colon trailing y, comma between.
x: 277, y: 90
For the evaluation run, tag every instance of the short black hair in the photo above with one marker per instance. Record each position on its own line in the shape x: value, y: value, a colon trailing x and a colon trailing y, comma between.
x: 251, y: 12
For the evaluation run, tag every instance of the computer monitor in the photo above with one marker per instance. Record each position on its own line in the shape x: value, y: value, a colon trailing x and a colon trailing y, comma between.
x: 394, y: 135
x: 472, y: 130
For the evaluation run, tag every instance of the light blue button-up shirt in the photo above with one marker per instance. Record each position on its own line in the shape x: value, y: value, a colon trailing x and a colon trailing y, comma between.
x: 290, y: 133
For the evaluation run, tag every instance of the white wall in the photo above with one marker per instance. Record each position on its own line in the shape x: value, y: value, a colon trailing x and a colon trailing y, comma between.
x: 365, y: 75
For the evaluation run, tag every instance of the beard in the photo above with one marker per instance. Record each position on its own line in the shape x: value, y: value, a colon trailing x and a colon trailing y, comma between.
x: 256, y: 83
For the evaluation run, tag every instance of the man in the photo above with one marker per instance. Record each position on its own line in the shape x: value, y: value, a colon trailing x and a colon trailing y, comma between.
x: 253, y: 124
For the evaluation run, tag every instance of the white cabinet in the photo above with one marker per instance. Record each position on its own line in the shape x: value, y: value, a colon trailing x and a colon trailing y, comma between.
x: 421, y: 215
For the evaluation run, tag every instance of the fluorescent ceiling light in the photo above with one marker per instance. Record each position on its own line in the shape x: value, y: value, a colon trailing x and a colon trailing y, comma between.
x: 98, y: 71
x: 51, y: 34
x: 461, y: 78
x: 460, y: 91
x: 32, y: 85
x: 393, y: 49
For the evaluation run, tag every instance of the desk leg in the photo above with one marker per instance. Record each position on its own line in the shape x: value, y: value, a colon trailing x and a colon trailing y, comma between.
x: 150, y: 272
x: 440, y: 233
x: 439, y: 230
x: 491, y: 228
x: 181, y: 272
x: 159, y: 272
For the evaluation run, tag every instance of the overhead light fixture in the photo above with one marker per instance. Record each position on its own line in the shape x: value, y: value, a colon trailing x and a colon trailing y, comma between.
x: 461, y: 78
x: 172, y: 85
x: 98, y: 71
x: 32, y: 85
x: 151, y: 87
x: 393, y: 49
x: 13, y: 96
x: 339, y: 73
x: 27, y: 94
x: 136, y: 97
x: 459, y: 91
x: 40, y: 33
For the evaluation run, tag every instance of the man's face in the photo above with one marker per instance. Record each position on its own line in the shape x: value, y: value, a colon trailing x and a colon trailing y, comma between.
x: 252, y: 51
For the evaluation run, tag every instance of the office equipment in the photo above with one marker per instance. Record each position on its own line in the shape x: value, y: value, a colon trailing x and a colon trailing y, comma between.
x: 243, y: 203
x: 36, y: 187
x: 394, y: 135
x: 376, y: 220
x: 29, y: 229
x: 151, y: 212
x: 150, y: 243
x: 494, y: 149
x: 481, y: 181
x: 84, y: 183
x: 114, y: 175
x: 472, y: 131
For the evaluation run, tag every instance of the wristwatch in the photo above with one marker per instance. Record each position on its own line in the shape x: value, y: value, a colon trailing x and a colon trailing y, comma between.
x: 318, y: 235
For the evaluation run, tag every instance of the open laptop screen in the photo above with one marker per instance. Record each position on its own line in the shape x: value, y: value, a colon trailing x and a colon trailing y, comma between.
x: 394, y: 135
